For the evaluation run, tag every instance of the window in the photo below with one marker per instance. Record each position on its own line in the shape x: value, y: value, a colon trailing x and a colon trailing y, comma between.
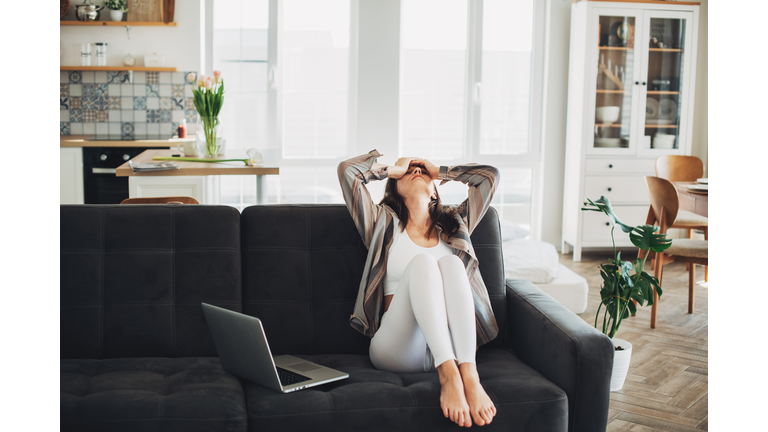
x: 315, y: 64
x: 433, y: 63
x: 466, y: 94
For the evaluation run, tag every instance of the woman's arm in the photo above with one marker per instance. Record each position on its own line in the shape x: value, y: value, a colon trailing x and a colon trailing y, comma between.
x: 354, y: 174
x: 482, y: 181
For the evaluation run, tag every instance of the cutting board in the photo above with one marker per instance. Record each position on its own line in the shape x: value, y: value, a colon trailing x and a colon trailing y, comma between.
x: 145, y: 10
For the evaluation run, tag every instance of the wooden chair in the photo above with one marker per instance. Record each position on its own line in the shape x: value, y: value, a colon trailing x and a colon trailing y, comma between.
x: 685, y: 169
x: 161, y: 200
x: 665, y: 204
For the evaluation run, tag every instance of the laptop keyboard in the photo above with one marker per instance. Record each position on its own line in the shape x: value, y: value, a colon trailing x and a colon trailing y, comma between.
x: 287, y: 377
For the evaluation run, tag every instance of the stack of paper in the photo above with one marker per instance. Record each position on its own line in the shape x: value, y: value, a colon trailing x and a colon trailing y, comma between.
x: 152, y: 166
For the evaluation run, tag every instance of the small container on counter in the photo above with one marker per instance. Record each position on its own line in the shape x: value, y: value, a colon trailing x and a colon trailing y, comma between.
x: 183, y: 128
x: 101, y: 53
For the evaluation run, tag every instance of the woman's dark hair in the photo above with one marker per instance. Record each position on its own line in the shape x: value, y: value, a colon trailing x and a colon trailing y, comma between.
x: 442, y: 216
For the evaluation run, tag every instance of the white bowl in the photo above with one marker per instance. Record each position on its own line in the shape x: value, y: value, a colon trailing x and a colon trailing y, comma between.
x: 663, y: 143
x: 607, y: 114
x: 607, y: 142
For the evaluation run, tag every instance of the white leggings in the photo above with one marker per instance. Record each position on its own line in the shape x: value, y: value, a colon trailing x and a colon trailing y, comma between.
x: 432, y: 316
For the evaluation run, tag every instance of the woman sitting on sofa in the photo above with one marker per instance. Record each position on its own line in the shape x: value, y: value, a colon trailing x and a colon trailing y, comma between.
x: 421, y: 271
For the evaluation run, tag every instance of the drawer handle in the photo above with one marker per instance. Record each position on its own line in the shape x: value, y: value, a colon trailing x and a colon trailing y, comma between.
x: 610, y: 189
x: 607, y: 224
x: 610, y: 165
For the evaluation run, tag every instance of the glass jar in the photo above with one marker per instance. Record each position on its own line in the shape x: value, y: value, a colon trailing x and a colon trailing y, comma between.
x: 85, y: 54
x: 101, y: 53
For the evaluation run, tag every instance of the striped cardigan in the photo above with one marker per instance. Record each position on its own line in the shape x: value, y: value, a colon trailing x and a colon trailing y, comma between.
x: 375, y: 224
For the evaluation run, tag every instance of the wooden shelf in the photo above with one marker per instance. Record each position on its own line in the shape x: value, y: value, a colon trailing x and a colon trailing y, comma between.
x: 615, y: 48
x: 662, y: 92
x: 117, y: 23
x: 609, y: 125
x: 118, y: 68
x: 665, y: 50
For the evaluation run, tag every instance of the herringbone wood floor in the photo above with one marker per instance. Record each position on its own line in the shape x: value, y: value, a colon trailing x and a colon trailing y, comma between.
x: 666, y: 388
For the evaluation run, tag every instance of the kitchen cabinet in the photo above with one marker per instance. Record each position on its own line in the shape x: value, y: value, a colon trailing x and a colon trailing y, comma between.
x: 631, y: 80
x: 197, y: 187
x: 71, y: 175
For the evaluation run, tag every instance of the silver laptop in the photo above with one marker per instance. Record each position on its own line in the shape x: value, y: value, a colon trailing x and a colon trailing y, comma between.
x: 244, y: 352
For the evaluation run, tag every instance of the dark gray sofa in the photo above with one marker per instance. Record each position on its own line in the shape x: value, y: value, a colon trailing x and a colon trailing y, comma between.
x: 136, y: 353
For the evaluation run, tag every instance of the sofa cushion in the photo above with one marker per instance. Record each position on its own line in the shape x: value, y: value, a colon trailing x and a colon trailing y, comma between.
x: 371, y: 400
x: 150, y: 394
x: 302, y: 266
x: 133, y: 277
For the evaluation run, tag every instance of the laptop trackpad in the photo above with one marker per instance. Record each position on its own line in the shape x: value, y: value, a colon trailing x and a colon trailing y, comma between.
x: 304, y: 367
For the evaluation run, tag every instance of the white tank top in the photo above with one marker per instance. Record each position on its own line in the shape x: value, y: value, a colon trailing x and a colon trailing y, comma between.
x: 402, y: 251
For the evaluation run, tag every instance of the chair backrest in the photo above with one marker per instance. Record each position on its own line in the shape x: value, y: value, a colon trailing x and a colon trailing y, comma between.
x: 664, y: 198
x: 679, y: 168
x: 161, y: 200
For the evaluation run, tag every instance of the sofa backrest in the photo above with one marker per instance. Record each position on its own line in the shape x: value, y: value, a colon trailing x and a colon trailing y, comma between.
x: 302, y: 266
x: 133, y: 277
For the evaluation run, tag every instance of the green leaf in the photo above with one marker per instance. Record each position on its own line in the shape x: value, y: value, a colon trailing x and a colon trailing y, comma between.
x: 604, y: 204
x: 645, y: 237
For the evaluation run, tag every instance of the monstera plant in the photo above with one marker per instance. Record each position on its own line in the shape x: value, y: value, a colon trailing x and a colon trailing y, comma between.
x: 624, y: 281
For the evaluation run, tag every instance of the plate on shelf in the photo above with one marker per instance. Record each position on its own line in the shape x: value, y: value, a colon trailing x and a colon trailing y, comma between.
x: 658, y: 121
x: 651, y: 108
x: 667, y: 109
x: 608, y: 142
x: 702, y: 181
x: 698, y: 187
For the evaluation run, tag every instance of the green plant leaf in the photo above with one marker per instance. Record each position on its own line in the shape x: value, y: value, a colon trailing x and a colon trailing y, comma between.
x: 645, y: 237
x: 604, y: 204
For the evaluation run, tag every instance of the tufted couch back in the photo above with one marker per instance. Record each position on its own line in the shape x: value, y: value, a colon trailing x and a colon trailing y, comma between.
x: 133, y: 277
x: 302, y: 266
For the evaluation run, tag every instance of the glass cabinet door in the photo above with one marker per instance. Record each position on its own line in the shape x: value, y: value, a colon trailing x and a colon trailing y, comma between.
x: 666, y: 39
x: 615, y: 72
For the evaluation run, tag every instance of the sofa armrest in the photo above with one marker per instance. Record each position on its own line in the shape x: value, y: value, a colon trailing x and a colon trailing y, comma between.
x: 565, y: 349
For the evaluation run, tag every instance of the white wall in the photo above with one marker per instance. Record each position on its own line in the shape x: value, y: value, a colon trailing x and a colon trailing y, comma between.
x: 180, y: 45
x: 554, y: 145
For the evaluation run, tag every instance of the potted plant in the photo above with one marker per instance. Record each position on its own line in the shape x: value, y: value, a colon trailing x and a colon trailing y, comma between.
x: 116, y: 8
x: 625, y: 283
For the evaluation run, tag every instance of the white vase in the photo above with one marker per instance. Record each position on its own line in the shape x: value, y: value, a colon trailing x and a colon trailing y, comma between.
x: 620, y: 363
x: 116, y: 15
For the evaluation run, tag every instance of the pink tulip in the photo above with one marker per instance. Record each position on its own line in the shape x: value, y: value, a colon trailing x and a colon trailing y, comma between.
x: 208, y: 83
x: 217, y: 75
x: 191, y: 77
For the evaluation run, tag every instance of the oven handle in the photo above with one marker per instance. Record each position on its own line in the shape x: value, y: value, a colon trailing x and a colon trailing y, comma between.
x: 104, y: 170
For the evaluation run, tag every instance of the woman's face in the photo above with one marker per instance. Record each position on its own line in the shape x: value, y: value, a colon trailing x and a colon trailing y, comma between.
x: 416, y: 182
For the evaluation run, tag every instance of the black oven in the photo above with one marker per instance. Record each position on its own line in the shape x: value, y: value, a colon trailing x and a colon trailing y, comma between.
x: 100, y: 184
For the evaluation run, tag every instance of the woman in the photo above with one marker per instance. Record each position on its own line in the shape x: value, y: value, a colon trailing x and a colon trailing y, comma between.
x: 421, y: 272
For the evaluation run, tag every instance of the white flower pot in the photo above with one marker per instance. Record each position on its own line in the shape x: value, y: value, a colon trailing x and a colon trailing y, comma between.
x: 116, y: 15
x: 620, y: 363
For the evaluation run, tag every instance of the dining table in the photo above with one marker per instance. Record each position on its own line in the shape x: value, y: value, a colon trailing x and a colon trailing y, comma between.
x: 695, y: 201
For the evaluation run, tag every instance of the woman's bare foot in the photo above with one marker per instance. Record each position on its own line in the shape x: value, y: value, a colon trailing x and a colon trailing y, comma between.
x: 452, y: 399
x: 480, y: 405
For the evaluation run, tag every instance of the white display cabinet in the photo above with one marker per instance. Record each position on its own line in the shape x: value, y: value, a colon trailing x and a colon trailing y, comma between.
x: 631, y: 83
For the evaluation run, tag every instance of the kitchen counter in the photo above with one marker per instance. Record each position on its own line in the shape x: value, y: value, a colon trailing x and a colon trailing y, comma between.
x: 269, y: 167
x: 81, y: 141
x: 195, y: 178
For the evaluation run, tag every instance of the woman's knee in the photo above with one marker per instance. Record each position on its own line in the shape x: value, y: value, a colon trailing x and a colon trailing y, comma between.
x: 450, y: 262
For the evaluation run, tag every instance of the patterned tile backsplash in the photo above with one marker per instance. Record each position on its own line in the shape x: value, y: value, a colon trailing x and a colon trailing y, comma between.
x: 127, y: 103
